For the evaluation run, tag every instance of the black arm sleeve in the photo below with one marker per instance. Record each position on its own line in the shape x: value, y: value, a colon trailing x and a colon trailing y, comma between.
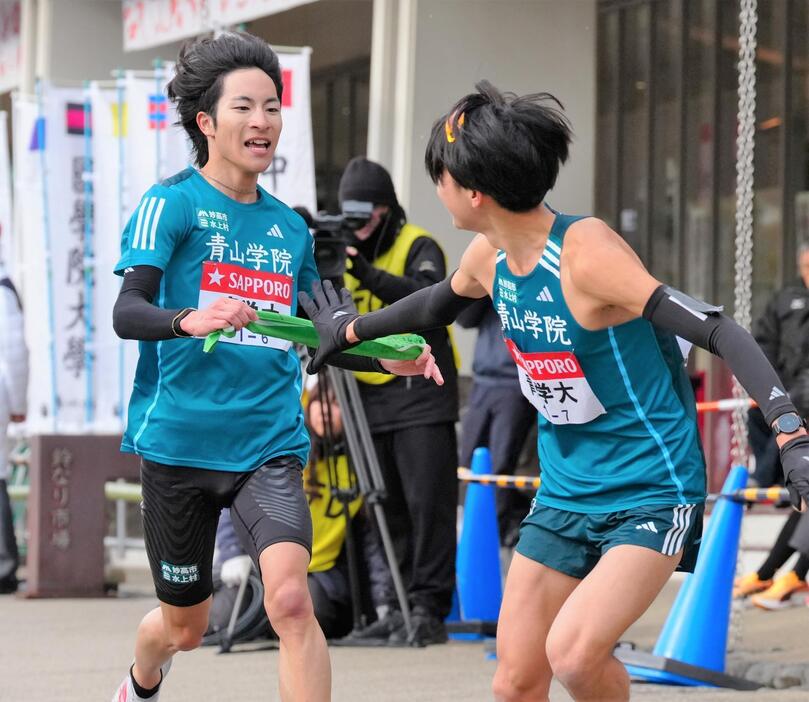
x: 425, y: 266
x: 429, y: 308
x: 473, y: 315
x: 351, y: 362
x: 703, y: 325
x: 134, y: 316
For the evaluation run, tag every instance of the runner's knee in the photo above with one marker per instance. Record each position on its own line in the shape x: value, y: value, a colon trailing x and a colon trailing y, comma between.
x: 572, y: 659
x: 513, y: 684
x: 186, y: 637
x: 289, y: 602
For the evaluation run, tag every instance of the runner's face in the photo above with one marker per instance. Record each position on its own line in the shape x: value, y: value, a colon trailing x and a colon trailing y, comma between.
x: 457, y: 201
x: 248, y: 121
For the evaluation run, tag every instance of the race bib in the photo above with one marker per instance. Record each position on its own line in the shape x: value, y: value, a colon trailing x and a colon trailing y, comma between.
x: 554, y: 383
x: 271, y: 292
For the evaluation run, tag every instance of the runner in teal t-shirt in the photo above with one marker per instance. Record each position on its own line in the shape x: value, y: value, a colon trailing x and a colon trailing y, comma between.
x: 209, y: 245
x: 203, y: 251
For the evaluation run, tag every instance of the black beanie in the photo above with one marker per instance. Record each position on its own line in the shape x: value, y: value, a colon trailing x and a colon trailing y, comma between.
x: 367, y: 181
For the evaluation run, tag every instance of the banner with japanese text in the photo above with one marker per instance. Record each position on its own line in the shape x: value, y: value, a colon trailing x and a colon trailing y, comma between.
x: 115, y: 358
x: 291, y: 175
x: 230, y: 12
x: 50, y: 204
x: 149, y: 23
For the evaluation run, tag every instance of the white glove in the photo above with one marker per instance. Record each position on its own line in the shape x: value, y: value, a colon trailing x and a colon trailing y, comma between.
x: 235, y: 570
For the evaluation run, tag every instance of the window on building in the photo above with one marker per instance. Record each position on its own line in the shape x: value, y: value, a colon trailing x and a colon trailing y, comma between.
x: 339, y: 124
x: 667, y: 117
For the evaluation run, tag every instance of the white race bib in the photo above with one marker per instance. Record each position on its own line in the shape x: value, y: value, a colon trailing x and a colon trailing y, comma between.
x: 554, y: 383
x: 270, y: 292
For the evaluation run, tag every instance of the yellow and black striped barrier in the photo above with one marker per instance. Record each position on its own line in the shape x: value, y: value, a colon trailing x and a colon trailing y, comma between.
x: 761, y: 496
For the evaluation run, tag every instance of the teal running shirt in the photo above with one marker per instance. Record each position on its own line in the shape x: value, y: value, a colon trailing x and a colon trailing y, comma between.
x: 239, y: 406
x: 617, y: 417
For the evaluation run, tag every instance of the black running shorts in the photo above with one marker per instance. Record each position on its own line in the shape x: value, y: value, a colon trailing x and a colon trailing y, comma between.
x: 181, y: 509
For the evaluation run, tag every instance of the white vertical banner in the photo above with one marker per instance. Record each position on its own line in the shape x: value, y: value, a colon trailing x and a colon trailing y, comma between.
x: 6, y: 219
x: 156, y: 147
x: 111, y: 377
x: 63, y: 179
x: 51, y: 222
x: 291, y: 175
x: 28, y: 142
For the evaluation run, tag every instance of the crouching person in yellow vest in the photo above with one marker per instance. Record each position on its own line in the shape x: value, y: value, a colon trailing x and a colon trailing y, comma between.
x: 412, y: 420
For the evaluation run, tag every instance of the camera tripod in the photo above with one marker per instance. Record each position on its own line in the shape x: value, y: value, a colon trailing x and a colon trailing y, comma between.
x: 365, y: 479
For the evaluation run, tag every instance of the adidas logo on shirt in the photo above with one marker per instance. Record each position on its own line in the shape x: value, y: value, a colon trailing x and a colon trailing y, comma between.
x: 545, y: 295
x: 776, y: 392
x: 275, y: 231
x: 648, y: 526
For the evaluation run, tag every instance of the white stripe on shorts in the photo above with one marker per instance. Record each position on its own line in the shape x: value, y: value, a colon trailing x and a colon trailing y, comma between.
x: 681, y: 520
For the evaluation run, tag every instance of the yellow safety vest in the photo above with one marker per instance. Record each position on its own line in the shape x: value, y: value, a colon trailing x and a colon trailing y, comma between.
x: 393, y: 261
x: 328, y: 521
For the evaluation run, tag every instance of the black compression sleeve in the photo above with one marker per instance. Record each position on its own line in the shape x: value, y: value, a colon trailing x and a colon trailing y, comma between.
x: 134, y: 316
x: 351, y: 362
x: 704, y: 326
x: 429, y: 308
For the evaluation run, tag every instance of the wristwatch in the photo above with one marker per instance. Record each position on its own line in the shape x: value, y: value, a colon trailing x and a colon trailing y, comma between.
x: 787, y: 423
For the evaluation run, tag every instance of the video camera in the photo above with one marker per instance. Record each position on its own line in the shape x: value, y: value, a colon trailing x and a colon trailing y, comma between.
x: 332, y: 233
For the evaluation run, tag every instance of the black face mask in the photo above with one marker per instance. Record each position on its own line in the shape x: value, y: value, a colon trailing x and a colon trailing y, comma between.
x: 383, y: 236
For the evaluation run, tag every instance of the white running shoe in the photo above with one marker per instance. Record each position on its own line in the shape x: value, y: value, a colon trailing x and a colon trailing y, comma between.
x: 126, y: 691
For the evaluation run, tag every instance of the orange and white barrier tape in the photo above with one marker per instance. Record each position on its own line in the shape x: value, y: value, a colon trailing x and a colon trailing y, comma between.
x: 724, y: 405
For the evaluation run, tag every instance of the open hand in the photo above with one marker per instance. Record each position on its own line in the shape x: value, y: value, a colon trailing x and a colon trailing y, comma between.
x: 424, y: 365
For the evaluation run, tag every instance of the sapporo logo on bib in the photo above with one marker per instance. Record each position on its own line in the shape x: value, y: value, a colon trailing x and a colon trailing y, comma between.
x: 554, y: 383
x: 270, y: 292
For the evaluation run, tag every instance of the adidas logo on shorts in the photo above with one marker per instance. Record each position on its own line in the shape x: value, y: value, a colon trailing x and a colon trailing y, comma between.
x: 648, y: 526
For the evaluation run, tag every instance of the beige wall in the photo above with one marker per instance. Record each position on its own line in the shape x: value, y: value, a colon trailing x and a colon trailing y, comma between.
x: 88, y: 42
x: 337, y: 30
x: 520, y: 45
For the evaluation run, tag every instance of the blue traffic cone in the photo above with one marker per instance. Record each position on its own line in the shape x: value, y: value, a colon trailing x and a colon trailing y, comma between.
x: 480, y: 587
x: 691, y: 647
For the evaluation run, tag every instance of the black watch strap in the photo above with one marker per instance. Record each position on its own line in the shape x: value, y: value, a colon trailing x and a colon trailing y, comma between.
x: 179, y: 317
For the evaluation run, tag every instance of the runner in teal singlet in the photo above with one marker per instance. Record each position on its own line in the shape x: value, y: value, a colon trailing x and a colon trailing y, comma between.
x: 201, y: 252
x: 594, y: 336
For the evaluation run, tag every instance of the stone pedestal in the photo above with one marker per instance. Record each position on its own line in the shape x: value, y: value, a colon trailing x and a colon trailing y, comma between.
x: 67, y: 515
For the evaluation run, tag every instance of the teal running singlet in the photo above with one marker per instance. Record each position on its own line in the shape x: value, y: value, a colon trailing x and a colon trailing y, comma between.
x: 238, y: 407
x: 617, y: 418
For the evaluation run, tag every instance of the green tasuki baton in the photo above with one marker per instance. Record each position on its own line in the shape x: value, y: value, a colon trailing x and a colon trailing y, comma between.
x: 397, y: 347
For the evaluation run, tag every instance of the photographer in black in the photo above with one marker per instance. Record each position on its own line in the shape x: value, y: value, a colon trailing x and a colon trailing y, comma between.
x: 412, y: 423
